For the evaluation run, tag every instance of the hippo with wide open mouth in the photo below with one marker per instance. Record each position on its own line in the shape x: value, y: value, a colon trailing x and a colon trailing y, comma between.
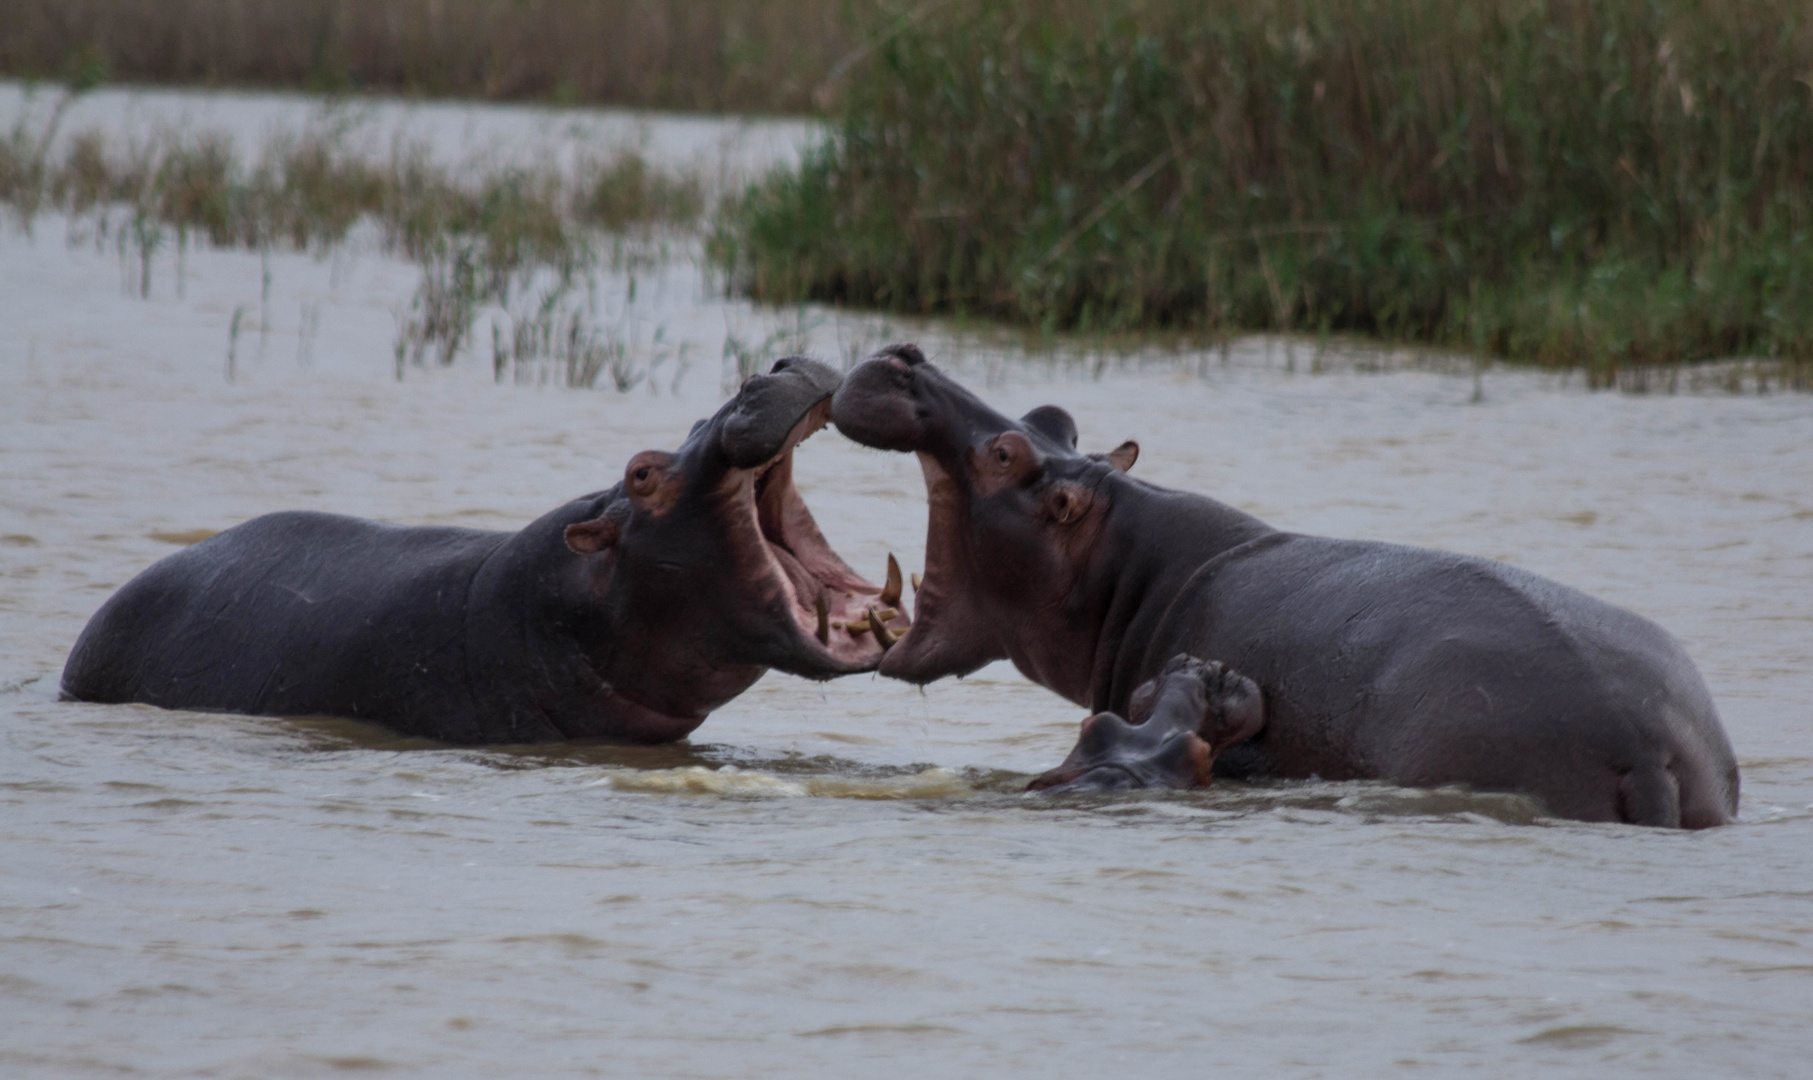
x: 631, y: 613
x: 1375, y: 660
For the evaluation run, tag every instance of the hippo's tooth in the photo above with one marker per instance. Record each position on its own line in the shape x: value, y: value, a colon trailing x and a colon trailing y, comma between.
x: 824, y: 621
x: 886, y: 613
x: 890, y: 593
x: 917, y: 581
x: 857, y: 627
x: 882, y: 633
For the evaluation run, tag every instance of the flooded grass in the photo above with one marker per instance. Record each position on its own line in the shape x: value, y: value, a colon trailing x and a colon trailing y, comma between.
x: 714, y: 55
x: 1612, y: 186
x: 479, y: 236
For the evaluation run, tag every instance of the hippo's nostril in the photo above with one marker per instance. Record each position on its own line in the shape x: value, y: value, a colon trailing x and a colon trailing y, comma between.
x: 906, y: 352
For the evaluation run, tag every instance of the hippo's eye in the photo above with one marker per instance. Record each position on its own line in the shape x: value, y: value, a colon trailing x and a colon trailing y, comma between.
x: 1001, y: 454
x: 642, y: 475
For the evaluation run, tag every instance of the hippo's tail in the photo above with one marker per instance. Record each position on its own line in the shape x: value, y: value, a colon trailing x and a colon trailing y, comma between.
x: 1676, y: 795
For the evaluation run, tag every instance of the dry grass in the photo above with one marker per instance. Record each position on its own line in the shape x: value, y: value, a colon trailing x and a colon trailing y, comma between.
x: 715, y: 55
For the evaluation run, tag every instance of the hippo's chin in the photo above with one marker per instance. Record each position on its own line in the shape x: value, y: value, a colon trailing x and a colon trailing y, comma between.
x: 1094, y: 778
x: 839, y: 622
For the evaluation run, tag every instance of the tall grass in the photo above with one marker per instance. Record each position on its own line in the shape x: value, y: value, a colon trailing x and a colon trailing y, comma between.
x: 738, y: 55
x: 1559, y: 181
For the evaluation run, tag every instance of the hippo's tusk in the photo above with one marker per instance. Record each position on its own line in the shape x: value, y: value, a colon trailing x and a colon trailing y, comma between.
x: 886, y: 613
x: 917, y: 582
x: 890, y: 593
x: 882, y: 633
x: 857, y: 627
x: 824, y: 621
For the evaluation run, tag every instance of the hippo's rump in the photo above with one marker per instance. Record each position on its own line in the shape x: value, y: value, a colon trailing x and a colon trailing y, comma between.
x: 288, y: 614
x: 1425, y: 667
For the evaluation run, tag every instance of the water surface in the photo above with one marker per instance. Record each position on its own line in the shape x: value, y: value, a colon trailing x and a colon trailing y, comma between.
x: 844, y: 876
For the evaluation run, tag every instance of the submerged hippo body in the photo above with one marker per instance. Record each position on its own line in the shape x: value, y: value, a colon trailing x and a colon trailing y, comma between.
x: 1375, y: 660
x: 631, y: 613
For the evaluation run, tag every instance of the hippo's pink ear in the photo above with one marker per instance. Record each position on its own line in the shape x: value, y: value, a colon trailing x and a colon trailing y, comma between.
x: 1123, y: 456
x: 591, y: 537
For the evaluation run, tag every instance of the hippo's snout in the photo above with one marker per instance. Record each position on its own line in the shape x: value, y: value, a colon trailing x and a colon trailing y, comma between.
x: 876, y: 406
x: 1191, y: 711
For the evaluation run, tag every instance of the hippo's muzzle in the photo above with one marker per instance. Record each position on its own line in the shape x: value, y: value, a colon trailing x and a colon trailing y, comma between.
x: 1183, y: 718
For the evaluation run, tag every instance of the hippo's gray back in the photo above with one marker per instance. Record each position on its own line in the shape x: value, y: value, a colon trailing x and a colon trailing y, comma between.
x: 292, y: 614
x: 1425, y: 667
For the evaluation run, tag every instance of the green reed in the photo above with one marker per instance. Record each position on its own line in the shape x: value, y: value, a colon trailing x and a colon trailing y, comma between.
x: 1557, y: 181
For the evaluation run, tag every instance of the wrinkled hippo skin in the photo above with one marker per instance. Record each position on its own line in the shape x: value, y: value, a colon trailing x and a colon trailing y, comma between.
x: 1376, y: 661
x: 1191, y: 712
x: 630, y: 614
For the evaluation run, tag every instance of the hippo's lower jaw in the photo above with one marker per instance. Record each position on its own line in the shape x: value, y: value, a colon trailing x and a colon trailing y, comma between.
x: 843, y: 622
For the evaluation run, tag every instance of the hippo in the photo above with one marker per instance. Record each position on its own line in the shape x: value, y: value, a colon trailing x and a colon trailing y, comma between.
x: 628, y: 614
x: 1375, y: 660
x: 1177, y: 723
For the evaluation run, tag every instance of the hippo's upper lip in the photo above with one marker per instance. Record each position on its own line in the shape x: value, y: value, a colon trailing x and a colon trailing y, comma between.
x: 1084, y: 773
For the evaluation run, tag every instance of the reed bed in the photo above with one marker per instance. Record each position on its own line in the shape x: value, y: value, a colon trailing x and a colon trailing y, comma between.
x: 1558, y: 181
x: 712, y: 55
x: 480, y: 236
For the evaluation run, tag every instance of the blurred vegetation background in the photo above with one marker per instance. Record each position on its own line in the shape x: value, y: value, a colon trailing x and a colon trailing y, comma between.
x: 707, y: 55
x: 1561, y: 181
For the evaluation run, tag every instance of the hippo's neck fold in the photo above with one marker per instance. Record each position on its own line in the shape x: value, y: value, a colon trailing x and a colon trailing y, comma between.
x: 1156, y: 542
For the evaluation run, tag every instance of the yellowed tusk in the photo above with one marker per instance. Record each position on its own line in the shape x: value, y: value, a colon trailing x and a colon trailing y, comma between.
x: 917, y: 582
x: 890, y: 593
x: 824, y: 621
x: 882, y: 633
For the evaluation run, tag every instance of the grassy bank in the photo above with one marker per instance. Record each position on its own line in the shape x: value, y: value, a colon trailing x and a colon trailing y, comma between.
x: 714, y: 55
x: 1549, y: 180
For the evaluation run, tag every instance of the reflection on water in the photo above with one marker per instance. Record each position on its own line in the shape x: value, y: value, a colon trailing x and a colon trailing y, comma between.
x: 848, y: 875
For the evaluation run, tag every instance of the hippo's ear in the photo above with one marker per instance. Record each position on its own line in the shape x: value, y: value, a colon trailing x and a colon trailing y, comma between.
x: 1053, y: 423
x: 1121, y: 457
x: 1139, y: 706
x: 591, y: 537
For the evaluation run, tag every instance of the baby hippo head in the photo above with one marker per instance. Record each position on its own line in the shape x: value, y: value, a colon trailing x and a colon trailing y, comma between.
x: 1192, y: 711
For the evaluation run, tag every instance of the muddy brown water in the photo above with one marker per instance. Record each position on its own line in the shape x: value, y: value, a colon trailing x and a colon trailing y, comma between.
x: 845, y: 877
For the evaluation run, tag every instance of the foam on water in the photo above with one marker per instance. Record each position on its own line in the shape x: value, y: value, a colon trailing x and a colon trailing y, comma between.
x: 729, y: 780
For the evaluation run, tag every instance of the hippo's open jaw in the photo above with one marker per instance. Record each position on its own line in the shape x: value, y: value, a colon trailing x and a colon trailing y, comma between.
x: 844, y: 623
x: 897, y: 401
